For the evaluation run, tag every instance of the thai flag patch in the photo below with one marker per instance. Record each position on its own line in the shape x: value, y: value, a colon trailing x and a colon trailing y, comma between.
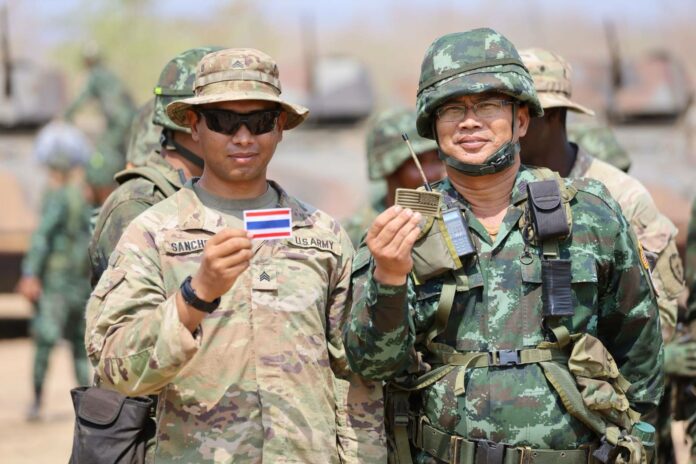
x: 269, y: 223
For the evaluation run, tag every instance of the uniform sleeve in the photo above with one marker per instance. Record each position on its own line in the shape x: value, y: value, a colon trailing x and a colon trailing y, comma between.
x: 111, y: 224
x: 359, y: 402
x: 134, y: 337
x: 53, y: 213
x: 380, y: 333
x: 691, y: 265
x: 629, y: 323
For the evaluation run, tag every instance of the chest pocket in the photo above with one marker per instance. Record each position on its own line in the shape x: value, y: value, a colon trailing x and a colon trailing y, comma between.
x: 583, y: 282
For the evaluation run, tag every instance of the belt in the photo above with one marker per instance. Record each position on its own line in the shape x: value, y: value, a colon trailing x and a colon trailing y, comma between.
x: 454, y: 449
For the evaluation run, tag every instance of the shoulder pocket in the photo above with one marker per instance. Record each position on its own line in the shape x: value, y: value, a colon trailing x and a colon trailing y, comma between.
x: 109, y: 280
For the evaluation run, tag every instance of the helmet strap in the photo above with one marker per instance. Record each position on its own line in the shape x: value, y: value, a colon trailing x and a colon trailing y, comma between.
x: 502, y: 159
x: 168, y: 142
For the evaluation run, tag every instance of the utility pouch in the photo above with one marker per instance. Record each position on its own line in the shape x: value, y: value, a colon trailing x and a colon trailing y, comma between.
x: 109, y: 427
x: 434, y: 253
x: 548, y: 213
x: 555, y: 287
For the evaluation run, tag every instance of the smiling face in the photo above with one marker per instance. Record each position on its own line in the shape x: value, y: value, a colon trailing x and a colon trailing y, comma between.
x: 237, y: 160
x: 473, y: 138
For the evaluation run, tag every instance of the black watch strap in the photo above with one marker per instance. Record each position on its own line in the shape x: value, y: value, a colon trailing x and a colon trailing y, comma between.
x: 189, y: 295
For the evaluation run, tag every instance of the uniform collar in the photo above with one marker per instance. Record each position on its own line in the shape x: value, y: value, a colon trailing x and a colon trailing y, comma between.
x: 194, y: 215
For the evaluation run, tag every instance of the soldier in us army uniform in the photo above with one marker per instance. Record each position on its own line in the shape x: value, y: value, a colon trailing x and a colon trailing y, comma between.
x: 161, y: 171
x: 546, y: 144
x: 55, y: 268
x: 518, y: 324
x: 389, y: 161
x: 241, y: 340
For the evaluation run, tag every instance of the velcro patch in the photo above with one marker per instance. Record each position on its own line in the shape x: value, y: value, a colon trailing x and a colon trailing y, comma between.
x: 332, y: 246
x: 178, y: 247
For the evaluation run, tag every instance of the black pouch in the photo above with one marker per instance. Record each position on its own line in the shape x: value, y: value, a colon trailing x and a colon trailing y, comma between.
x: 110, y: 427
x: 548, y: 213
x: 555, y: 287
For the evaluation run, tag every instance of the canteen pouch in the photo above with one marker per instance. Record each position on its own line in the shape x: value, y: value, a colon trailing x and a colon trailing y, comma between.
x: 434, y: 253
x: 110, y: 427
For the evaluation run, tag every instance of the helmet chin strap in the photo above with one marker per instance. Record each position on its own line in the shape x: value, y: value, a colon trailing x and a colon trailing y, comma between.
x: 502, y: 159
x: 168, y: 142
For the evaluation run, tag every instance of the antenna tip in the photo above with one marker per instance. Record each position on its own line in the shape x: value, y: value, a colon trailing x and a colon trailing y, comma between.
x: 404, y: 136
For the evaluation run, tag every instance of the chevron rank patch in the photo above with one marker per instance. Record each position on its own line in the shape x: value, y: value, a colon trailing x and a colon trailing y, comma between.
x: 269, y: 223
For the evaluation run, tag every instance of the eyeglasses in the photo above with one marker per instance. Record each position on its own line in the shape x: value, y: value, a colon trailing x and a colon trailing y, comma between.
x: 228, y: 122
x: 486, y: 109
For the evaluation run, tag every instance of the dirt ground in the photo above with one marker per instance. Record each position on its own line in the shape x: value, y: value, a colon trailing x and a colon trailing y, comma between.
x: 50, y: 439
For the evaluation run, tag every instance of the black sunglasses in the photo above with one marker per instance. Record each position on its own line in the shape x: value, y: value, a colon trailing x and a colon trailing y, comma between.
x: 228, y: 122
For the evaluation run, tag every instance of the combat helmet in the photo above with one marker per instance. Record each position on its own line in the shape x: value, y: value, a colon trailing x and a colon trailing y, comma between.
x: 144, y: 135
x: 467, y: 63
x: 386, y: 150
x: 62, y: 146
x: 176, y: 82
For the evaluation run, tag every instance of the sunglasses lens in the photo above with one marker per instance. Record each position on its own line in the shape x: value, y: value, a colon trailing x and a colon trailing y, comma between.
x: 229, y: 122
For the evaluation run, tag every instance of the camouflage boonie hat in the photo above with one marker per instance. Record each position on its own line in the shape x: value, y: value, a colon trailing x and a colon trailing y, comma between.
x: 386, y: 150
x: 144, y: 135
x: 237, y: 74
x: 467, y: 63
x: 176, y: 82
x: 600, y: 141
x: 552, y: 79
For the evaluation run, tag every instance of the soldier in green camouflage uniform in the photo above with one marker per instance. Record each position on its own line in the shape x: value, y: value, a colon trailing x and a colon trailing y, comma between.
x: 165, y: 167
x: 55, y: 269
x: 485, y: 365
x: 114, y: 101
x: 600, y: 141
x: 389, y: 160
x: 253, y: 369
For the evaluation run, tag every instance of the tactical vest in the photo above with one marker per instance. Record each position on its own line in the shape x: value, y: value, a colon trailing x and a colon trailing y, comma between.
x: 578, y: 366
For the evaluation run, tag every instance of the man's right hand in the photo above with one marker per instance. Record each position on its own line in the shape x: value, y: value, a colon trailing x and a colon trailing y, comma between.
x: 226, y: 255
x: 390, y: 240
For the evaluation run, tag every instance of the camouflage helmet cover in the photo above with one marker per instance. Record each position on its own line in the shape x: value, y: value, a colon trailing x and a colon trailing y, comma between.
x: 103, y: 166
x: 472, y: 62
x: 386, y: 150
x: 600, y: 141
x: 144, y: 135
x: 176, y: 82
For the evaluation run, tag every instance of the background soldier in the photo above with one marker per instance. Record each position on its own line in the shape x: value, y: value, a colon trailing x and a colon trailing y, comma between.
x: 114, y: 100
x: 164, y: 169
x: 240, y: 340
x: 55, y: 269
x: 495, y: 350
x: 144, y: 136
x: 599, y: 141
x: 389, y: 160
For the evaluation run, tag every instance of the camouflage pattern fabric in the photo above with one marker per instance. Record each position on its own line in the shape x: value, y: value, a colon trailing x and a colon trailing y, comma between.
x: 691, y: 264
x: 385, y: 148
x: 264, y: 378
x: 176, y: 81
x: 115, y: 104
x: 57, y: 256
x: 132, y: 197
x: 600, y: 141
x: 472, y: 62
x: 103, y: 166
x: 144, y: 135
x: 498, y: 306
x: 237, y: 74
x: 655, y: 232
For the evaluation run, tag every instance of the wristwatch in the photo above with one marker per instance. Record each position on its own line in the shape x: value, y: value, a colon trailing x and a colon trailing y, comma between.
x: 189, y: 295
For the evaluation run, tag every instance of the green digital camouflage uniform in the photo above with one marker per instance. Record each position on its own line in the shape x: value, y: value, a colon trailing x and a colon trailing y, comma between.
x: 57, y: 256
x: 141, y: 188
x: 497, y: 304
x: 264, y: 378
x: 386, y: 152
x: 115, y: 104
x: 256, y: 382
x: 691, y: 264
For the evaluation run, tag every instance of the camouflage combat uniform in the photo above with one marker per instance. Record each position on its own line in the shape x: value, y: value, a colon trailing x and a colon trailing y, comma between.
x: 256, y: 382
x: 475, y: 382
x: 115, y: 104
x: 57, y: 256
x: 656, y: 233
x: 691, y: 264
x: 386, y: 152
x: 600, y: 141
